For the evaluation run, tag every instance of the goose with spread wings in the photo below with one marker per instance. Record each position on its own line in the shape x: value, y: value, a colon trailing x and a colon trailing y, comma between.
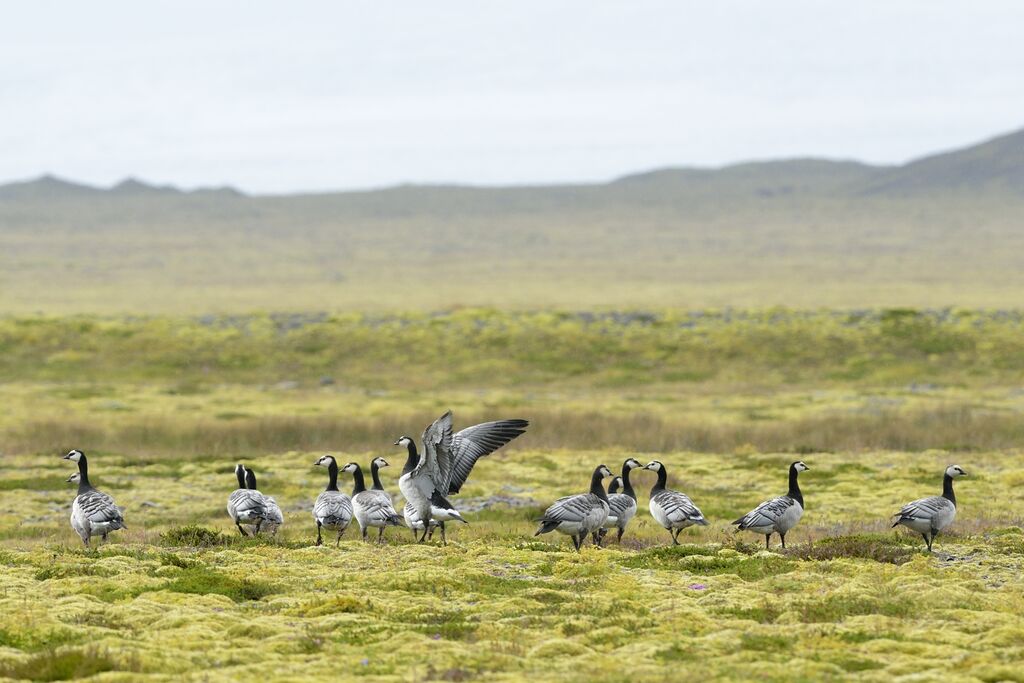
x: 428, y: 478
x: 92, y: 512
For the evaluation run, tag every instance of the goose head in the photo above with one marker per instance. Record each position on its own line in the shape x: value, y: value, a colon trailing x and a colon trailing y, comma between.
x: 632, y: 464
x: 324, y: 461
x: 350, y: 467
x: 615, y: 484
x: 604, y: 471
x: 403, y: 441
x: 74, y: 455
x: 380, y: 462
x: 74, y: 478
x: 954, y: 471
x: 800, y: 466
x: 654, y: 466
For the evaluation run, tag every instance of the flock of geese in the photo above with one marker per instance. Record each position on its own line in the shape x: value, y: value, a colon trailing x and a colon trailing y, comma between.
x: 440, y: 471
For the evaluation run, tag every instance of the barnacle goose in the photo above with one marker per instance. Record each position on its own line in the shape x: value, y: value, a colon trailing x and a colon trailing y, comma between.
x: 332, y: 509
x: 672, y: 509
x: 375, y: 466
x: 245, y: 506
x: 579, y: 515
x: 622, y: 506
x: 447, y: 459
x: 370, y: 508
x: 92, y: 512
x: 777, y: 515
x: 274, y: 519
x: 929, y: 516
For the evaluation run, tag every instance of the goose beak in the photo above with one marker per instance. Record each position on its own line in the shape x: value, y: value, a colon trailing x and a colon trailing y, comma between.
x: 66, y: 457
x: 398, y: 443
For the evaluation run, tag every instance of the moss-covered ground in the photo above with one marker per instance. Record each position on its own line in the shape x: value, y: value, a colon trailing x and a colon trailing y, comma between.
x: 180, y: 596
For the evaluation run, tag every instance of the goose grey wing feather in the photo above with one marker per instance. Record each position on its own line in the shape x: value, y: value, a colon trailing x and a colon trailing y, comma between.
x: 377, y: 505
x: 767, y: 513
x: 245, y: 500
x: 99, y: 508
x: 925, y: 508
x: 473, y: 443
x: 333, y: 507
x: 571, y: 508
x: 435, y: 462
x: 619, y: 503
x: 677, y: 506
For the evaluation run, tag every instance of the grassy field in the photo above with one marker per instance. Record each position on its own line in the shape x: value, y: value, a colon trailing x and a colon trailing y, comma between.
x: 876, y: 402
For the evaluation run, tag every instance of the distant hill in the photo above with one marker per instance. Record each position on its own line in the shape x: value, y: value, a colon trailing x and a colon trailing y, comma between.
x: 942, y: 230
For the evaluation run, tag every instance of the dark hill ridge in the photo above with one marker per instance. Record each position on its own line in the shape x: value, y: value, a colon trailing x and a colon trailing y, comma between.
x: 996, y: 164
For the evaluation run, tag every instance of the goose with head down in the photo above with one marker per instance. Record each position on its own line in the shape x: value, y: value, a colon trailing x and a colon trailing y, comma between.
x: 929, y: 516
x: 332, y: 509
x: 428, y: 478
x: 672, y: 509
x: 777, y: 515
x: 245, y: 506
x: 92, y: 512
x: 579, y: 515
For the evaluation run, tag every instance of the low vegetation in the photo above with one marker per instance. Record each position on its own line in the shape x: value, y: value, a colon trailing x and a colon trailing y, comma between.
x: 181, y: 595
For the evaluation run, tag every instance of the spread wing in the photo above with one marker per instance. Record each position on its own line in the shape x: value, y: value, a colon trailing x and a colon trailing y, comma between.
x: 436, y: 460
x: 571, y: 508
x: 99, y: 508
x: 473, y: 443
x: 926, y: 508
x: 767, y: 513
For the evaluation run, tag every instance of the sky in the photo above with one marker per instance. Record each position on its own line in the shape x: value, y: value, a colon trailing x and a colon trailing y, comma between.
x: 275, y: 97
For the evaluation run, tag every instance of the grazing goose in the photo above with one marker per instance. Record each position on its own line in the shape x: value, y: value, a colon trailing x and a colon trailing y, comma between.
x: 245, y: 506
x: 332, y: 509
x: 92, y: 512
x: 778, y: 514
x: 446, y: 462
x: 672, y: 509
x: 274, y: 519
x: 370, y: 508
x: 929, y: 516
x: 622, y: 506
x: 579, y: 515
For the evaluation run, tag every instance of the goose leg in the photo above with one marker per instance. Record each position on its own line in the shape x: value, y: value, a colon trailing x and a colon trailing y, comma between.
x: 576, y: 542
x: 597, y: 539
x: 621, y: 530
x: 766, y: 538
x: 240, y: 530
x: 338, y: 542
x: 364, y: 533
x: 930, y: 541
x: 319, y: 539
x: 675, y: 536
x: 380, y: 536
x: 259, y: 523
x: 444, y: 539
x: 426, y: 527
x: 783, y: 536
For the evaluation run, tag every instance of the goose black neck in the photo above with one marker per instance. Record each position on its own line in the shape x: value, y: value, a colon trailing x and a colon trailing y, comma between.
x: 359, y: 484
x: 240, y: 475
x: 83, y: 470
x: 250, y: 480
x: 412, y: 460
x: 627, y: 488
x: 375, y: 471
x: 332, y: 473
x: 662, y: 479
x: 595, y: 485
x: 947, y: 489
x: 794, y: 486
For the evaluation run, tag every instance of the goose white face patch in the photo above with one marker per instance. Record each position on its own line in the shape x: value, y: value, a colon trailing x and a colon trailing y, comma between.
x: 955, y: 471
x: 350, y: 467
x: 73, y: 456
x: 801, y: 467
x: 653, y: 466
x: 404, y: 441
x: 74, y: 478
x: 633, y: 464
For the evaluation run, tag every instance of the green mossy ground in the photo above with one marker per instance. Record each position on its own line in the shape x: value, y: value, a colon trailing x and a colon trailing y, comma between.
x: 180, y: 595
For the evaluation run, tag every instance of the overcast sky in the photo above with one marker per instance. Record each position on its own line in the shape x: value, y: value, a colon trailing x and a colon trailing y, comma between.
x: 278, y: 97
